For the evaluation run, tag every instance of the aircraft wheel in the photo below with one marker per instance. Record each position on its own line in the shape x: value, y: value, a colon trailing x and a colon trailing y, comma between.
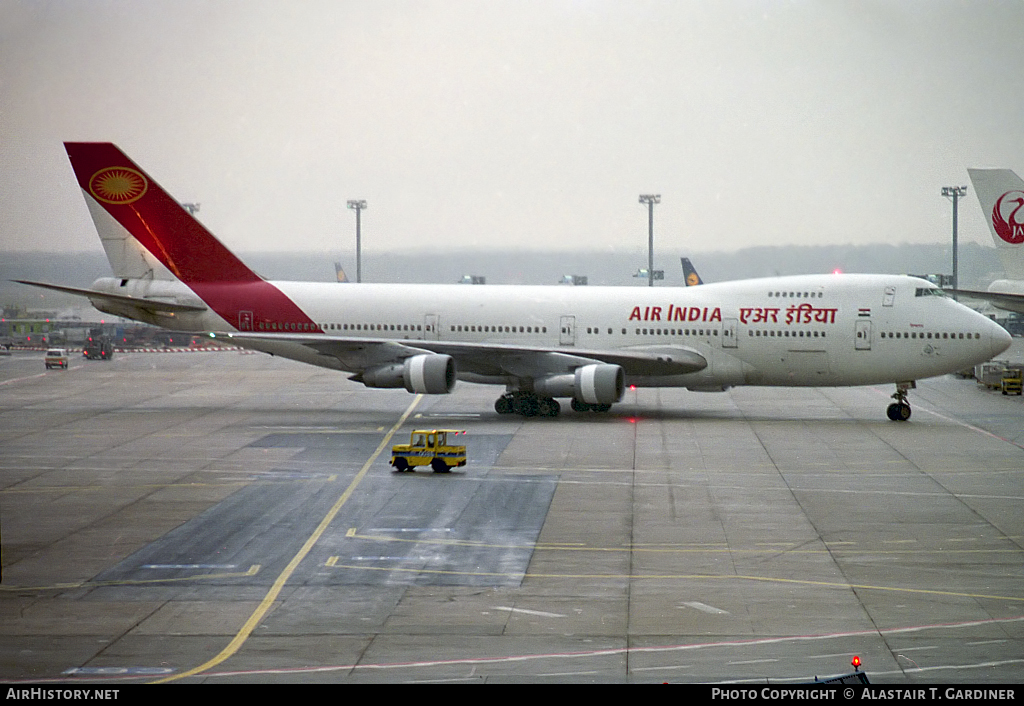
x: 602, y: 407
x: 898, y: 412
x: 548, y: 407
x: 578, y: 406
x: 526, y: 405
x: 439, y: 466
x: 503, y: 405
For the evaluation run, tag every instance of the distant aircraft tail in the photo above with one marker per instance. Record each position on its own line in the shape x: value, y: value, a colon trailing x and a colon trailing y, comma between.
x: 690, y: 273
x: 1001, y: 195
x: 339, y: 271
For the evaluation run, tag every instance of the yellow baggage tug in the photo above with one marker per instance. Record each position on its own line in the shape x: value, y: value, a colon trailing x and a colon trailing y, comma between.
x: 429, y: 446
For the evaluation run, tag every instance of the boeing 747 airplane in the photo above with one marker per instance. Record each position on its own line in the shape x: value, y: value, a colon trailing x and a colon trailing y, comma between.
x: 539, y: 343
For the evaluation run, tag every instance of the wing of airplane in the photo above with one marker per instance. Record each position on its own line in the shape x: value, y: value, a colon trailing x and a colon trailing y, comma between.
x: 146, y: 305
x: 1003, y: 300
x: 488, y: 359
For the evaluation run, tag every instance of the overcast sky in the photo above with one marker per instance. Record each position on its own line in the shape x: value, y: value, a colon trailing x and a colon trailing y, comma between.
x: 526, y: 124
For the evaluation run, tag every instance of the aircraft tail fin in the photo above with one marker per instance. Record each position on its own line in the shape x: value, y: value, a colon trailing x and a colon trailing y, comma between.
x: 690, y: 273
x: 339, y: 271
x: 144, y: 231
x: 1001, y: 195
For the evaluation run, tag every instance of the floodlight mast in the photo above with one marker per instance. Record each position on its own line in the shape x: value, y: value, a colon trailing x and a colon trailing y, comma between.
x: 358, y: 205
x: 955, y: 193
x: 650, y: 200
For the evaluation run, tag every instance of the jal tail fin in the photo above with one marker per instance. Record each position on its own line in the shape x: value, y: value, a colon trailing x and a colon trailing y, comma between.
x: 145, y: 232
x: 1001, y: 195
x: 690, y: 273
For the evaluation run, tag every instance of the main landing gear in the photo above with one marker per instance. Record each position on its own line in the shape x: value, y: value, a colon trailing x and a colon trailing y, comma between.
x: 899, y: 411
x: 529, y: 404
x: 588, y: 407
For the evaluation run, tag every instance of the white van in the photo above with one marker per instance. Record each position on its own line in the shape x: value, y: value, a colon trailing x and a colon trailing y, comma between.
x: 56, y: 358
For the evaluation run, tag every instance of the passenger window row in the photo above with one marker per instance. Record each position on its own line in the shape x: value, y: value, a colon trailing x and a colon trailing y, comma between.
x: 375, y: 327
x: 284, y: 326
x: 785, y: 333
x: 462, y: 328
x: 798, y: 295
x: 662, y: 331
x: 929, y: 334
x: 675, y: 332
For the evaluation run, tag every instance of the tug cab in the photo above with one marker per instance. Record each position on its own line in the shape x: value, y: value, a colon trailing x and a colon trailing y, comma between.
x: 429, y: 446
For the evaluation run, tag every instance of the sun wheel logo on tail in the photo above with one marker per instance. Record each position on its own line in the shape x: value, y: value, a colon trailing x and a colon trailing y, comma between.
x: 118, y: 185
x: 1009, y: 227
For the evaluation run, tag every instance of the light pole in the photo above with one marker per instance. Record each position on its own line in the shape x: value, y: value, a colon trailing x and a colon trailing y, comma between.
x: 650, y: 200
x: 955, y: 193
x: 358, y: 206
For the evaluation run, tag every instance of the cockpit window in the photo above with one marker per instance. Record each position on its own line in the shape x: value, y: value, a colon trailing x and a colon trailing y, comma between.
x: 930, y: 292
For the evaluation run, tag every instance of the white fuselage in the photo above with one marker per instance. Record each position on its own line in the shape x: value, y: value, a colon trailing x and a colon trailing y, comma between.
x: 817, y: 330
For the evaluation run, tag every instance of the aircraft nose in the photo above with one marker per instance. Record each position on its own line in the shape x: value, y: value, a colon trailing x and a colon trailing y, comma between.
x: 999, y: 339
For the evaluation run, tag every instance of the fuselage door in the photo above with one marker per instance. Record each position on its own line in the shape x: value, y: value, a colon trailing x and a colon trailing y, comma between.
x: 245, y: 321
x: 887, y: 298
x: 567, y: 331
x: 862, y: 335
x: 430, y: 324
x: 729, y: 339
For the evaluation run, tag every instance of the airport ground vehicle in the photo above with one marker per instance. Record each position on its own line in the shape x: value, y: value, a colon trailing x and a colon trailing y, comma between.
x: 98, y: 346
x: 56, y: 358
x: 1013, y: 376
x: 429, y: 446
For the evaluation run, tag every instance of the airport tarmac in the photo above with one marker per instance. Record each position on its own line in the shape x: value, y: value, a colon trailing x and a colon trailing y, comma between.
x: 229, y: 517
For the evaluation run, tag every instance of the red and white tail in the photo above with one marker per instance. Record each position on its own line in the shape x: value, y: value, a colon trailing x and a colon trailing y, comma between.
x: 149, y: 235
x: 126, y: 205
x: 1001, y: 195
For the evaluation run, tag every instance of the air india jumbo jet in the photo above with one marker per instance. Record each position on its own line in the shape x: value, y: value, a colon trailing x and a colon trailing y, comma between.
x: 540, y: 343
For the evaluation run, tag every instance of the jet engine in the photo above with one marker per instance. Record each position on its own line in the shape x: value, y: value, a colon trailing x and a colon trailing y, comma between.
x: 430, y: 374
x: 595, y: 384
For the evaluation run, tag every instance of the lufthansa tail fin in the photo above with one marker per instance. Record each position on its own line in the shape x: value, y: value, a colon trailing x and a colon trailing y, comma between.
x: 145, y: 232
x: 339, y: 271
x: 1001, y: 195
x: 690, y: 273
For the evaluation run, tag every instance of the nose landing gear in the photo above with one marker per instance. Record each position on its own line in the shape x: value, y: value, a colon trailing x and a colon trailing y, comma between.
x: 899, y: 411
